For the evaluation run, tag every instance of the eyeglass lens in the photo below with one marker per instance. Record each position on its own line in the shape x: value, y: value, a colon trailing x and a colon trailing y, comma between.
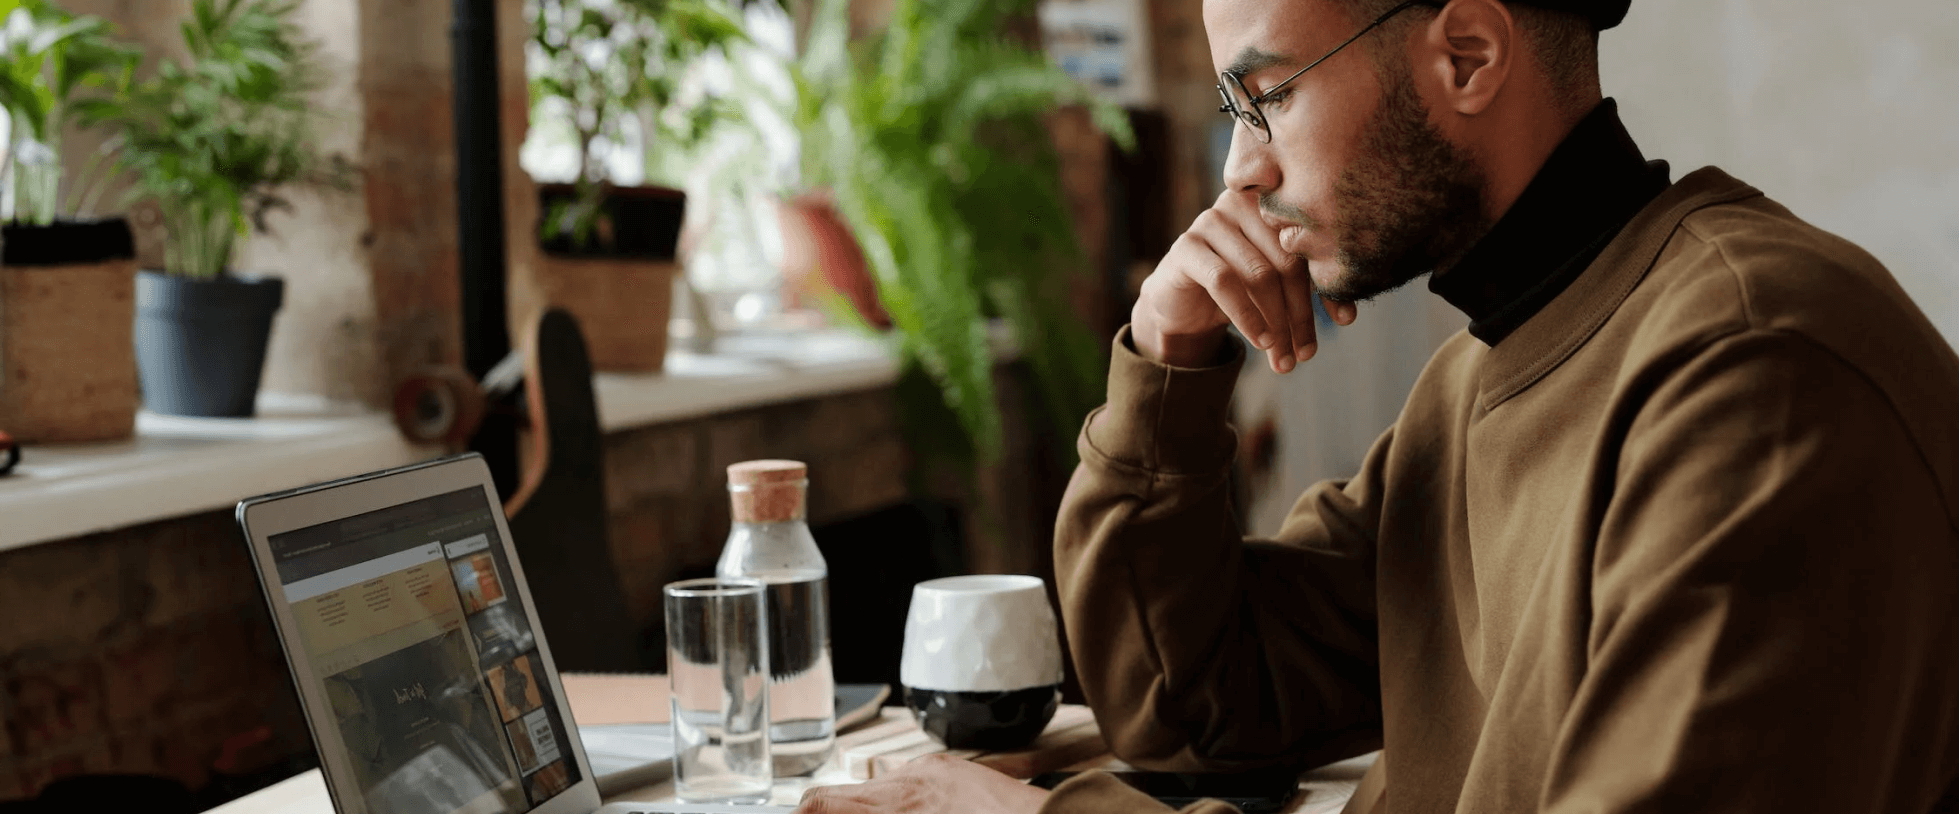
x: 1241, y: 105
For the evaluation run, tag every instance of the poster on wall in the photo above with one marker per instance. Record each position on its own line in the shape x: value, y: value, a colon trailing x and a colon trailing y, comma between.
x: 1103, y: 43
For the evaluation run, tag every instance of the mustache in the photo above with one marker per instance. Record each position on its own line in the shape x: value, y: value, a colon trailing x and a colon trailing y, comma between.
x: 1270, y: 204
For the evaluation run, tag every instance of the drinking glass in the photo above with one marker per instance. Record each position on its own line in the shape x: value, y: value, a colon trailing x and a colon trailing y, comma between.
x: 718, y: 665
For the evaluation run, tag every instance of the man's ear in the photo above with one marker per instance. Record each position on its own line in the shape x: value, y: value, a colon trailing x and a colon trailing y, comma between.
x: 1470, y: 48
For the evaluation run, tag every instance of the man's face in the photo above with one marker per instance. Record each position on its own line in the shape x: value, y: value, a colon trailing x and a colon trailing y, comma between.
x: 1356, y: 178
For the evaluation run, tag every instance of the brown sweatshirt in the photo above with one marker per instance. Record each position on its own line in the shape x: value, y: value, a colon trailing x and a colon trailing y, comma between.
x: 1684, y: 541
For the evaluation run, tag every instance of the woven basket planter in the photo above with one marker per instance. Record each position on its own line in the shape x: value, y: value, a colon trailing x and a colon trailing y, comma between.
x: 67, y: 303
x: 621, y: 304
x: 620, y: 289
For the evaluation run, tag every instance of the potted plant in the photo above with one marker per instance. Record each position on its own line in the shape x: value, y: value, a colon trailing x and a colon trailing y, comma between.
x: 605, y: 70
x: 212, y: 141
x: 929, y: 140
x: 66, y: 279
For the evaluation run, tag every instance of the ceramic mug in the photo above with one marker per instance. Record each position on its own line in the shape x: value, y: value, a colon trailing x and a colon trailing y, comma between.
x: 982, y: 663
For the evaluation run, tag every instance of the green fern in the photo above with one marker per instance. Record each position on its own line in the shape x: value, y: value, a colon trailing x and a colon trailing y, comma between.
x: 929, y: 136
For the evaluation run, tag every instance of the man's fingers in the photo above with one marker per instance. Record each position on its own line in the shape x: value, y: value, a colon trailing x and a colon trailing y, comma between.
x: 1343, y: 313
x: 1227, y: 289
x: 1296, y: 292
x: 1299, y: 306
x: 1295, y: 287
x: 828, y: 800
x: 832, y: 805
x: 1246, y: 269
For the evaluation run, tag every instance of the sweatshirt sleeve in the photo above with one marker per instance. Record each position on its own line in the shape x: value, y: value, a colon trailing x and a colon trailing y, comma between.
x: 1775, y: 589
x: 1197, y: 648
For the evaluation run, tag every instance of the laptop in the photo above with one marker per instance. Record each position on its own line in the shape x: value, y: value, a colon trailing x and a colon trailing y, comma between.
x: 413, y: 642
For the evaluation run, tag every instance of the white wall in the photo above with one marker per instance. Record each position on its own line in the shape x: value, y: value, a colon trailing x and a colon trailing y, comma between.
x: 325, y: 341
x: 1847, y: 113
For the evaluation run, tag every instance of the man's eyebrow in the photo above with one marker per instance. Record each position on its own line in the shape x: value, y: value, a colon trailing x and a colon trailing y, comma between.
x: 1252, y: 60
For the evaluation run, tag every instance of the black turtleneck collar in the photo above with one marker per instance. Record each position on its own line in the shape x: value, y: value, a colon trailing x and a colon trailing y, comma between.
x: 1587, y: 191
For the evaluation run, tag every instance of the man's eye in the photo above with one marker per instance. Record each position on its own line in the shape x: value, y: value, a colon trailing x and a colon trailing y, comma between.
x: 1277, y: 98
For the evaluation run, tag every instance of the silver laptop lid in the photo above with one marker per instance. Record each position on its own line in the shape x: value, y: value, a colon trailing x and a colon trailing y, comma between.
x: 412, y: 638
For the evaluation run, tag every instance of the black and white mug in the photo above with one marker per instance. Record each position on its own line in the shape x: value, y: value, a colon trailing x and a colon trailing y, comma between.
x: 982, y: 663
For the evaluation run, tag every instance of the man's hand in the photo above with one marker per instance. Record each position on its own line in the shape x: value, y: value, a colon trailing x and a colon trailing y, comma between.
x: 934, y: 784
x: 1229, y: 269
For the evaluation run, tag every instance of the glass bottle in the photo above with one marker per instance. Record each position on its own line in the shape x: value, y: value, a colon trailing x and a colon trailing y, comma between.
x: 770, y: 541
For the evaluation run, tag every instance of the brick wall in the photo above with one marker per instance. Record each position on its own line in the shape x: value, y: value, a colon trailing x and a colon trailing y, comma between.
x: 667, y: 485
x: 1188, y: 99
x: 141, y: 651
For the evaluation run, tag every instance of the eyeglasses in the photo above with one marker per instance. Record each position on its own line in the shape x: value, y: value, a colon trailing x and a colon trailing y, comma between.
x: 1240, y: 104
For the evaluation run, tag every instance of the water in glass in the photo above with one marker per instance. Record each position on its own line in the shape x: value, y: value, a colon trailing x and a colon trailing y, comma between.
x: 717, y: 663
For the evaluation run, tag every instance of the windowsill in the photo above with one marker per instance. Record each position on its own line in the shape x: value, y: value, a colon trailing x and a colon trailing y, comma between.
x: 745, y: 370
x: 177, y: 466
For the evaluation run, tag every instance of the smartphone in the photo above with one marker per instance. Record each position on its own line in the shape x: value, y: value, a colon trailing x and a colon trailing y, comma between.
x: 1261, y: 792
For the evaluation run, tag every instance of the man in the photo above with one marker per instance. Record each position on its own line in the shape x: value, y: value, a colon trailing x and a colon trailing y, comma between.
x: 1670, y: 527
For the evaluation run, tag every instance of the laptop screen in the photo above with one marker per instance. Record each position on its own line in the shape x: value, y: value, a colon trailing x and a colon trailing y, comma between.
x: 411, y: 624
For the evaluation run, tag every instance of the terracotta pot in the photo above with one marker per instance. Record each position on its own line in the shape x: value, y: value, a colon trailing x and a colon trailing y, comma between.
x: 818, y: 252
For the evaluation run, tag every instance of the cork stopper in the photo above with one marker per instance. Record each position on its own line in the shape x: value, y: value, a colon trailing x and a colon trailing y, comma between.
x: 769, y: 491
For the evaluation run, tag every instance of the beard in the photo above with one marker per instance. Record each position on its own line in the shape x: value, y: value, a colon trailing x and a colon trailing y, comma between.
x: 1411, y: 203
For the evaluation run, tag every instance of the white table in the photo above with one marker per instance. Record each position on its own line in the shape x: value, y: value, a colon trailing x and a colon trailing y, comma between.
x: 1326, y: 790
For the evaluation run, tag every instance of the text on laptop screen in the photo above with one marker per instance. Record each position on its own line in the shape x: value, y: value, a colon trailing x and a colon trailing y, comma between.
x: 409, y: 620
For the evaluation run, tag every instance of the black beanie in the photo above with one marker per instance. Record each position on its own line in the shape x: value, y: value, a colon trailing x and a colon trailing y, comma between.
x: 1604, y: 14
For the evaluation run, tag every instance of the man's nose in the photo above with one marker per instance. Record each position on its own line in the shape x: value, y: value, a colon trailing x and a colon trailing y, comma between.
x: 1249, y: 167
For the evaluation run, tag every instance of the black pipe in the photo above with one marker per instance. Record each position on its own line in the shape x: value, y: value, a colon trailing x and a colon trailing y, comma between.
x: 479, y: 205
x: 479, y: 184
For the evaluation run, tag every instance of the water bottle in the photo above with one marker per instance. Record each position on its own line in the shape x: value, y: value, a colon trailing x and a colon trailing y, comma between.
x: 770, y: 541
